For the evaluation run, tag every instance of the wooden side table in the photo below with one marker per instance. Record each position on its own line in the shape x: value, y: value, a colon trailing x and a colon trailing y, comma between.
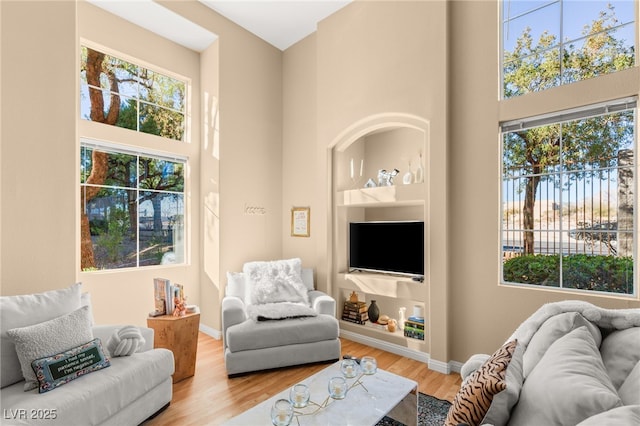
x: 180, y: 336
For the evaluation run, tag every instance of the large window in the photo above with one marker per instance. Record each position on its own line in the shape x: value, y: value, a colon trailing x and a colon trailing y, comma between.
x: 548, y: 43
x: 568, y: 199
x: 123, y: 94
x: 132, y: 208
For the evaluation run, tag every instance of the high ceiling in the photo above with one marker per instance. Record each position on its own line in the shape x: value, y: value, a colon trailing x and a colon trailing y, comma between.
x: 280, y: 23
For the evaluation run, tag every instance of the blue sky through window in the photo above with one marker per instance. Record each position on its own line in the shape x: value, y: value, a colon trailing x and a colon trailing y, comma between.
x: 543, y: 16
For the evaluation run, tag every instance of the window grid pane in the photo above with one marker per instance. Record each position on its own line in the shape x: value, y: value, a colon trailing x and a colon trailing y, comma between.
x: 577, y: 214
x: 547, y: 44
x: 134, y: 209
x: 150, y: 102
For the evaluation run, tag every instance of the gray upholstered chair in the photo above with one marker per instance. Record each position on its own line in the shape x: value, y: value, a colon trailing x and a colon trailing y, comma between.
x: 254, y: 345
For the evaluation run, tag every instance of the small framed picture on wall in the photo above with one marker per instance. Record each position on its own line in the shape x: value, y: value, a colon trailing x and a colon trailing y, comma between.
x: 300, y: 220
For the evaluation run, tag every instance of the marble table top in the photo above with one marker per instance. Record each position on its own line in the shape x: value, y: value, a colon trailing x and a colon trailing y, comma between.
x: 369, y: 399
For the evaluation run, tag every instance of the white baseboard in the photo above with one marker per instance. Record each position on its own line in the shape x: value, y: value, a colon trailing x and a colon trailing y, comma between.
x: 209, y: 331
x: 385, y: 346
x: 439, y: 366
x: 433, y: 364
x: 456, y: 366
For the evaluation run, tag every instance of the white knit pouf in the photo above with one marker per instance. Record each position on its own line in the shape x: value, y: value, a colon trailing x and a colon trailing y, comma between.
x: 125, y: 341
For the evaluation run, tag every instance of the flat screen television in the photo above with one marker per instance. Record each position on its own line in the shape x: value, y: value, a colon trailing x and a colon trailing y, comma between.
x: 393, y: 247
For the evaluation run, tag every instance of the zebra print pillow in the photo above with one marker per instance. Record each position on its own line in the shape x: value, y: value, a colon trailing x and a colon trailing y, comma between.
x: 474, y: 397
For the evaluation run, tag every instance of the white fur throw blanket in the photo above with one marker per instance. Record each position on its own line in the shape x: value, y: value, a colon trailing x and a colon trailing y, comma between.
x: 278, y: 291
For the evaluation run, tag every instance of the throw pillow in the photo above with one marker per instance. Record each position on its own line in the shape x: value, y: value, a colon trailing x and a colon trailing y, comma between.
x: 620, y: 353
x: 550, y: 331
x: 307, y: 278
x: 49, y: 338
x: 472, y: 401
x: 235, y: 285
x: 568, y: 385
x: 56, y: 370
x: 85, y: 300
x: 25, y: 310
x: 503, y: 402
x: 276, y: 281
x: 630, y: 390
x: 125, y: 341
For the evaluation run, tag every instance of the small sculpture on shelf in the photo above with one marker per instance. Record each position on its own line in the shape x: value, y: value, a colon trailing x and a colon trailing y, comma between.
x: 385, y: 178
x: 180, y: 307
x: 370, y: 184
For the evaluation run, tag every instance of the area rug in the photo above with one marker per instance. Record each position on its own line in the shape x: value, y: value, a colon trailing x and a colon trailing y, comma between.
x: 431, y: 412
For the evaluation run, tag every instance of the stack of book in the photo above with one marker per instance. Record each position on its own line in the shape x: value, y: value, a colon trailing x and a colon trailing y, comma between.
x: 414, y: 328
x: 355, y: 312
x: 165, y: 294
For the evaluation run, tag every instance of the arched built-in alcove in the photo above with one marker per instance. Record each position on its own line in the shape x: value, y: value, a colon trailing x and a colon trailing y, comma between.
x: 385, y: 141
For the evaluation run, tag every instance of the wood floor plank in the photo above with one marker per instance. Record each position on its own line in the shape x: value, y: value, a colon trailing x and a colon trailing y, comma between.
x: 210, y: 397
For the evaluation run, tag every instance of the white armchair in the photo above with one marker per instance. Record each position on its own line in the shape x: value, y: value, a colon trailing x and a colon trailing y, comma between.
x: 253, y: 345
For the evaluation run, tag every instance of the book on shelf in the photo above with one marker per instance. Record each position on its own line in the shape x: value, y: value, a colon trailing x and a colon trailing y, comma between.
x: 416, y: 325
x: 160, y: 296
x: 355, y: 305
x: 356, y: 310
x: 416, y: 319
x: 352, y: 315
x: 354, y: 320
x: 164, y: 294
x: 414, y: 334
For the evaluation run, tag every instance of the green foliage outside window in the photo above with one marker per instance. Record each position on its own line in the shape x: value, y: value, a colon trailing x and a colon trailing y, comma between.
x: 579, y: 271
x: 119, y: 93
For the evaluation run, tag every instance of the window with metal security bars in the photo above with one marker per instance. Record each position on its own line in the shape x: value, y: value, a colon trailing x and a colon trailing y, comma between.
x: 548, y: 43
x: 132, y: 206
x: 569, y: 209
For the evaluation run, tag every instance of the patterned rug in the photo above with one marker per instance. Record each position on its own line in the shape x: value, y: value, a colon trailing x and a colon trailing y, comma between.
x: 431, y: 412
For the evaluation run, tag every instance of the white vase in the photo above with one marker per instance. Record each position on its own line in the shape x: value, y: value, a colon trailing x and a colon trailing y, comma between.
x: 407, y: 178
x: 401, y: 317
x: 419, y: 172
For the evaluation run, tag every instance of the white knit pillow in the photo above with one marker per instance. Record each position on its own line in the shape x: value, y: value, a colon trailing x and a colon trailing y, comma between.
x: 50, y: 338
x: 125, y: 341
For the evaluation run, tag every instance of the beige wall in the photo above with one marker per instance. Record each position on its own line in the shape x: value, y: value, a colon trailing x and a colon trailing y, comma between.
x: 300, y: 168
x: 38, y: 146
x: 241, y: 80
x: 373, y: 59
x: 482, y: 313
x: 430, y: 59
x: 265, y: 123
x: 130, y: 291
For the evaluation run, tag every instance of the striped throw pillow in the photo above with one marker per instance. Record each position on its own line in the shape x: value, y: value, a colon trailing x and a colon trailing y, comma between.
x: 473, y: 400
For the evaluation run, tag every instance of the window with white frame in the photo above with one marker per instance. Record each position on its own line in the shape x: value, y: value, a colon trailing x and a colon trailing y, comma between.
x: 569, y: 209
x: 132, y: 208
x: 548, y: 43
x: 123, y: 94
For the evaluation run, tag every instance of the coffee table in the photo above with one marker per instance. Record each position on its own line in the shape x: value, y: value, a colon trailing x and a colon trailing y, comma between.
x: 378, y: 395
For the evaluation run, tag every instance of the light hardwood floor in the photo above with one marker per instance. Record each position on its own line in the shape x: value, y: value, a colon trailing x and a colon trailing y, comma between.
x: 210, y: 397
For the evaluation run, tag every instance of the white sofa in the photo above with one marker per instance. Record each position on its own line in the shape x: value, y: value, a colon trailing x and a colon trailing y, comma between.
x: 252, y: 345
x: 127, y: 392
x: 572, y: 363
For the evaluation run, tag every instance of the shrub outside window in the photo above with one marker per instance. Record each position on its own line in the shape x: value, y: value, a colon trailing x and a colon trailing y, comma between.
x: 568, y: 205
x: 132, y: 208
